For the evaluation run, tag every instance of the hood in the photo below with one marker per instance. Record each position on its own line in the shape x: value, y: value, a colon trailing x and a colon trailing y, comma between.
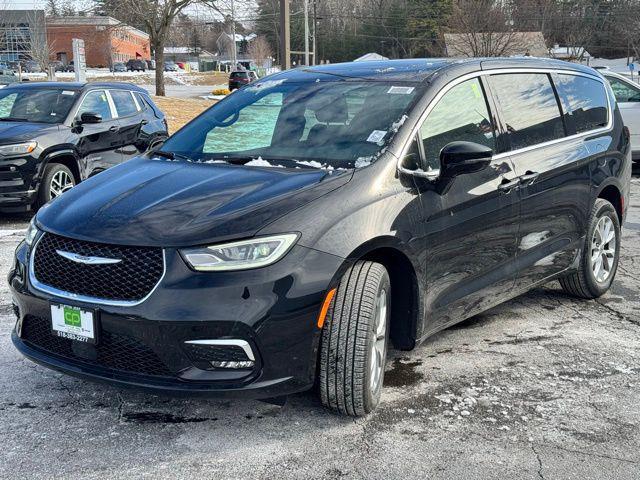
x: 154, y: 202
x: 14, y: 132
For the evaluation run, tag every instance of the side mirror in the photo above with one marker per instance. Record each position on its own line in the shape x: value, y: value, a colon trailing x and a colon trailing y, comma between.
x: 458, y: 158
x: 90, y: 117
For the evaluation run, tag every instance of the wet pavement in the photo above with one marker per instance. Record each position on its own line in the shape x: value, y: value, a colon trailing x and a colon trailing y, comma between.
x: 544, y: 386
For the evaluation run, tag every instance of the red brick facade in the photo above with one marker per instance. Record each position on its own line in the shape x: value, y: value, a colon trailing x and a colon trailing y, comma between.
x: 104, y: 38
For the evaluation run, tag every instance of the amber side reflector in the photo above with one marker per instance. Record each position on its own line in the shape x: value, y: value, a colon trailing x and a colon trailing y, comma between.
x: 325, y: 307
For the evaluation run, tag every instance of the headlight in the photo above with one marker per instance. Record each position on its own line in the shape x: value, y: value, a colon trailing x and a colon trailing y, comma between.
x: 18, y: 148
x: 243, y: 255
x: 31, y: 232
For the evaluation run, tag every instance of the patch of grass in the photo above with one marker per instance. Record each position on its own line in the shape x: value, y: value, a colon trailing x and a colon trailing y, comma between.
x: 179, y: 111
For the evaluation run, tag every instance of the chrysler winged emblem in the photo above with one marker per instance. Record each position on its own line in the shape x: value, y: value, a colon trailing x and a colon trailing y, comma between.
x: 87, y: 260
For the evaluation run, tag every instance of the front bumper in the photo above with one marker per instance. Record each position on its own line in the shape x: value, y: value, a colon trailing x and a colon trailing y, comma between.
x: 18, y: 184
x: 273, y: 309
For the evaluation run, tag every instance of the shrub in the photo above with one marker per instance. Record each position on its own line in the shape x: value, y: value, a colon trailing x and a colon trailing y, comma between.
x: 221, y: 91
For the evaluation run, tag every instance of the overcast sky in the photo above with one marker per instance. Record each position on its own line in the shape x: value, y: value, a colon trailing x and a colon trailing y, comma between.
x: 244, y: 8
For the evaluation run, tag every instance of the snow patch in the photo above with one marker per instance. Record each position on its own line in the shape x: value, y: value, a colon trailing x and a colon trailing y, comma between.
x: 264, y: 85
x: 362, y: 162
x: 260, y: 162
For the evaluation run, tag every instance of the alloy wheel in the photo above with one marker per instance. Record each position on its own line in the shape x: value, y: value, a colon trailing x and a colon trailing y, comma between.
x: 60, y: 183
x: 378, y: 342
x: 603, y: 249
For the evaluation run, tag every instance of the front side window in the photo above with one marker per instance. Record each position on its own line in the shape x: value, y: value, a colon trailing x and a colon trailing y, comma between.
x: 96, y: 102
x: 336, y: 123
x: 36, y: 105
x: 124, y: 103
x: 460, y: 115
x: 587, y: 101
x: 530, y: 111
x: 624, y: 92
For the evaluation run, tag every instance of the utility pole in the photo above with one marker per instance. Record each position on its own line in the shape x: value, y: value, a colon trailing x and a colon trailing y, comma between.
x: 285, y: 35
x: 234, y: 52
x: 315, y: 44
x: 306, y: 32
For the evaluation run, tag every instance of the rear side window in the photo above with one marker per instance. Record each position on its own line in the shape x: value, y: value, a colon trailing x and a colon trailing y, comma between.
x: 124, y: 103
x: 587, y: 100
x: 530, y: 111
x: 624, y: 92
x: 141, y: 102
x: 460, y: 115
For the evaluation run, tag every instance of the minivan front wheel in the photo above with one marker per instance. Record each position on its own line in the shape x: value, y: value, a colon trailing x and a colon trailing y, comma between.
x: 56, y: 180
x: 600, y: 254
x: 354, y: 340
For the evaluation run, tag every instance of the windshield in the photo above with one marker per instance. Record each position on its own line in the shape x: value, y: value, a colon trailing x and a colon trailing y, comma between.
x: 332, y: 123
x: 42, y: 105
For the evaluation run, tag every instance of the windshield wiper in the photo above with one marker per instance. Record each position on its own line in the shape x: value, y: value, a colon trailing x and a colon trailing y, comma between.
x: 169, y: 155
x: 14, y: 119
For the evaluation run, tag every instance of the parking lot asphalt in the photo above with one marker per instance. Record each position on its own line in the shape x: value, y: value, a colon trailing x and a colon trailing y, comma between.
x: 544, y: 386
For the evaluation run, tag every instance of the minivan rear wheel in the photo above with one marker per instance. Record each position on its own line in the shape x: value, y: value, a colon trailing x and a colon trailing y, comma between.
x: 600, y: 254
x: 354, y: 340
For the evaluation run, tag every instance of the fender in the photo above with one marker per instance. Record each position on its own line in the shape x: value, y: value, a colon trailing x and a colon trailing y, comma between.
x: 62, y: 152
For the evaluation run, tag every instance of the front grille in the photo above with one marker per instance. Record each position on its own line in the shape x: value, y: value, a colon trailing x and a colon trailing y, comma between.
x: 131, y: 279
x: 114, y: 351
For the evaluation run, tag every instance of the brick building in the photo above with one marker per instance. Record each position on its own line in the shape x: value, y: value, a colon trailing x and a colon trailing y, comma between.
x: 106, y: 40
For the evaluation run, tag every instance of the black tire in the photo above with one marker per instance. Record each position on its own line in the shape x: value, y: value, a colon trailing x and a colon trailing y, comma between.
x: 583, y: 282
x: 45, y: 190
x: 346, y: 349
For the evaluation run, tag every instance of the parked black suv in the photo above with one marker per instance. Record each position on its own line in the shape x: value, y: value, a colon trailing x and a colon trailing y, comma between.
x: 54, y: 135
x: 287, y: 233
x: 136, y: 65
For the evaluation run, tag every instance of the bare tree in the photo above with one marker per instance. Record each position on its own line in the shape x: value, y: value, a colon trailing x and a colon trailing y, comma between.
x: 153, y: 16
x: 482, y: 30
x: 42, y: 51
x: 259, y: 50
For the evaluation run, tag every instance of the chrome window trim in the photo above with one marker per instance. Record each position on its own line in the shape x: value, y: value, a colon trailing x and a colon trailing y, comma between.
x: 243, y: 344
x: 84, y: 298
x: 135, y: 100
x: 495, y: 71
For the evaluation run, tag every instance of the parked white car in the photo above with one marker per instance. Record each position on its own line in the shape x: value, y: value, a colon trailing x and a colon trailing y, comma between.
x: 628, y: 96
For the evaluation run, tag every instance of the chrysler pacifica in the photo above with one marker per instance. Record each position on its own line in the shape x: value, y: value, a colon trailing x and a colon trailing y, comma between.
x: 290, y: 234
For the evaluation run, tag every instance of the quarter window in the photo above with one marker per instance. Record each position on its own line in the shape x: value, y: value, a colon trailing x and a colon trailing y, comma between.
x: 624, y: 91
x: 124, y: 103
x: 587, y: 101
x: 460, y: 115
x: 96, y: 101
x: 530, y: 111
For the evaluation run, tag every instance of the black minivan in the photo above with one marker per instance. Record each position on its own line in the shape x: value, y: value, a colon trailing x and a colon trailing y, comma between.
x: 53, y: 135
x: 285, y: 236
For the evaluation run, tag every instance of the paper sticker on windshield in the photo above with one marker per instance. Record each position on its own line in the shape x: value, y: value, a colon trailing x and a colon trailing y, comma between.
x: 475, y: 88
x: 68, y: 92
x: 376, y: 136
x: 400, y: 90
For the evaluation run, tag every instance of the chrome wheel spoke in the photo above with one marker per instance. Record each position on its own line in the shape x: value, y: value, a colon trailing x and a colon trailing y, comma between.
x: 60, y: 183
x: 603, y: 249
x: 378, y: 341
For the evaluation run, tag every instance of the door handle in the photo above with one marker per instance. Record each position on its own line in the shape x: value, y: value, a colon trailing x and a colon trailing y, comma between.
x: 507, y: 185
x: 114, y: 129
x: 528, y: 178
